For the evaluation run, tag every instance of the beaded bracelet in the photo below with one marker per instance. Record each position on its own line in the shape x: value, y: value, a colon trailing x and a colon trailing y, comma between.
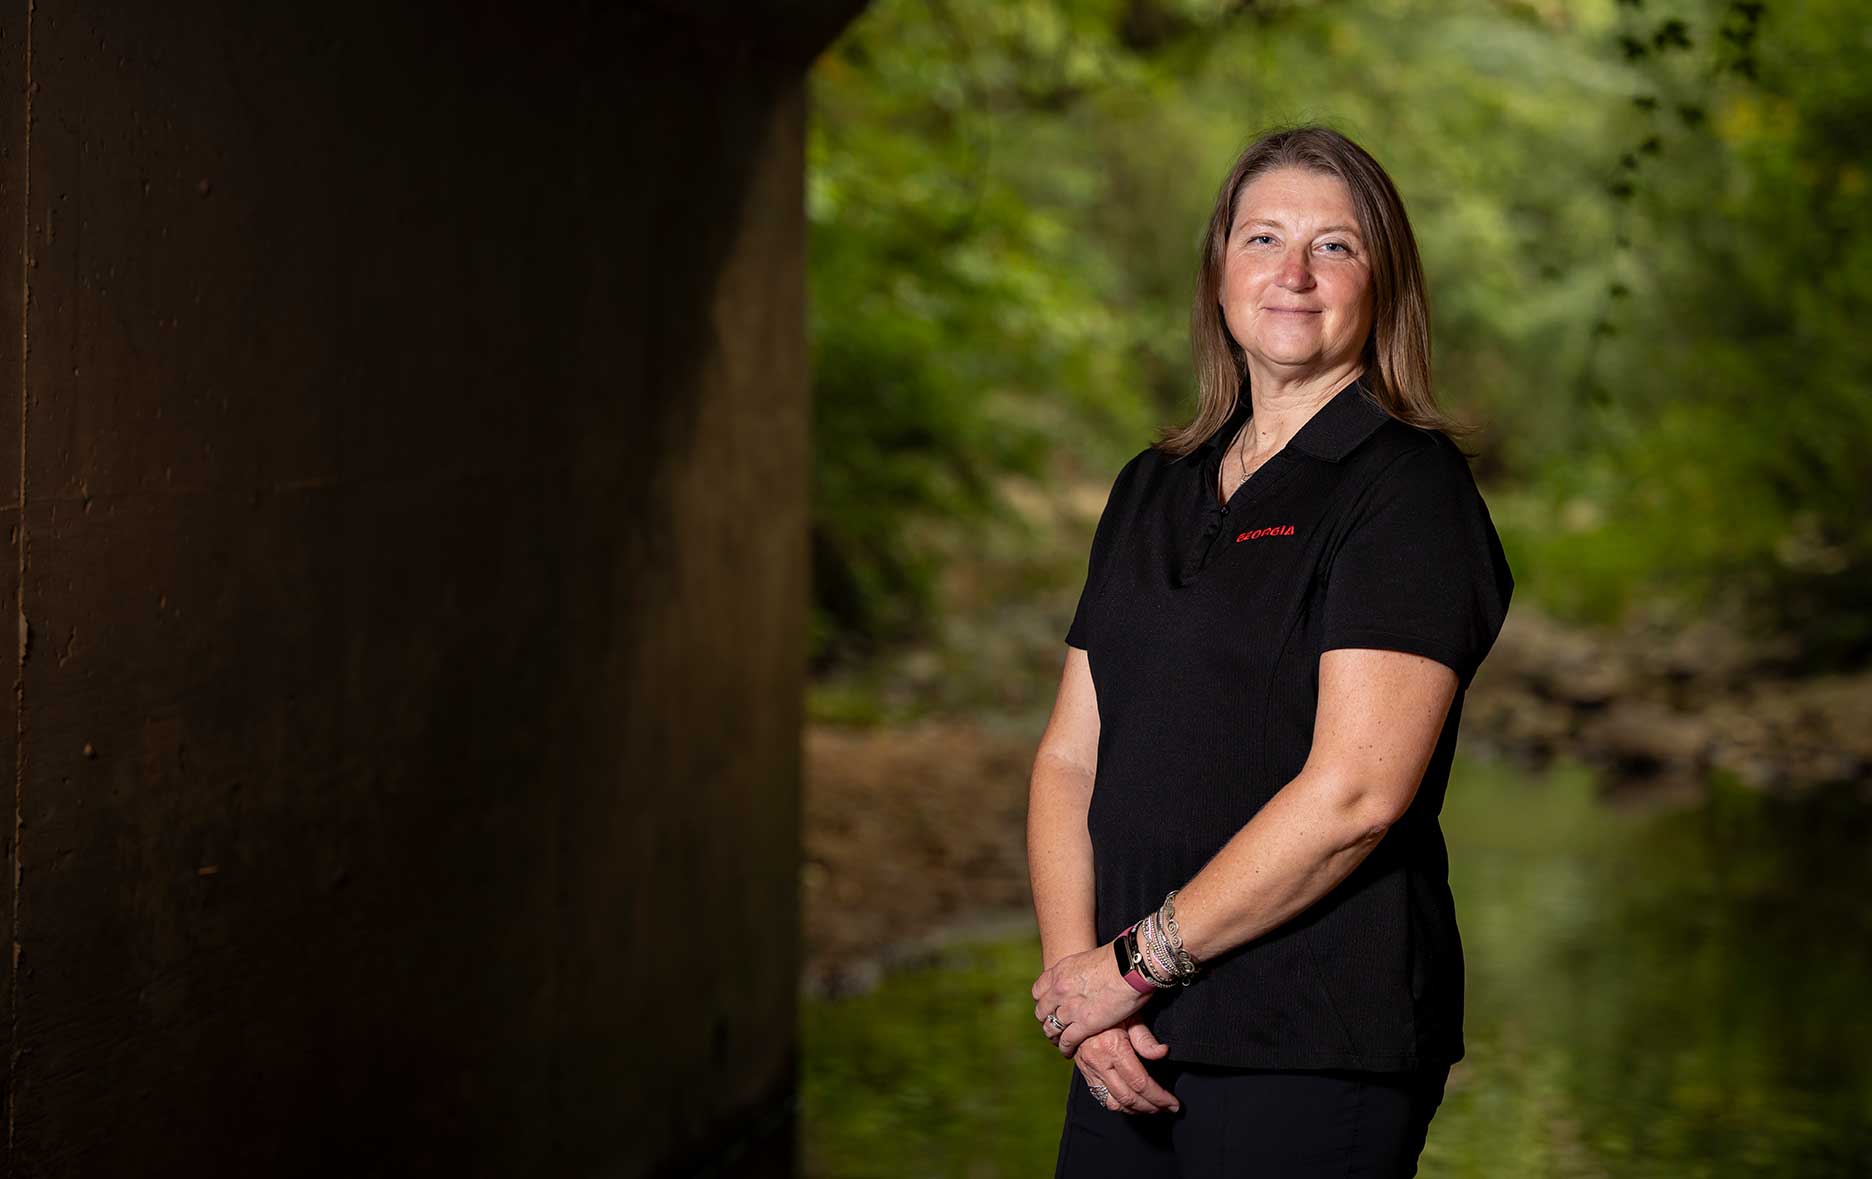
x: 1160, y: 952
x: 1155, y: 952
x: 1146, y: 956
x: 1150, y: 951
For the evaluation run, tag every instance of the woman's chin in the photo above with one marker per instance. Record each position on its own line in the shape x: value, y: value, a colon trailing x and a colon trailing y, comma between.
x: 1290, y: 355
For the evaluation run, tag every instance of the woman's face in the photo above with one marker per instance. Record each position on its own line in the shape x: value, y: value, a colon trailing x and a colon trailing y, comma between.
x: 1296, y: 282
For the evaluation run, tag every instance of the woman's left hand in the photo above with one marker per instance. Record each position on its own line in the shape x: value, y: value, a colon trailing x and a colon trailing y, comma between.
x: 1087, y: 993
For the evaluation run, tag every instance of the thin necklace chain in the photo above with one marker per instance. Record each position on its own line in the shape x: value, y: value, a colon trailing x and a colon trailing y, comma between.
x: 1241, y: 458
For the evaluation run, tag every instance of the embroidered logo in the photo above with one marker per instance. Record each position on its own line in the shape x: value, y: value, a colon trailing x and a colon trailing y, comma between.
x: 1256, y: 533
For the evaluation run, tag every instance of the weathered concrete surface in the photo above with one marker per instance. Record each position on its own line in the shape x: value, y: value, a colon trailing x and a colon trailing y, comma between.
x: 407, y: 415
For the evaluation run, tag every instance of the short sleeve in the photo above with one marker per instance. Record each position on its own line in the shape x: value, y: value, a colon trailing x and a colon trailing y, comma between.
x: 1083, y: 627
x: 1419, y: 566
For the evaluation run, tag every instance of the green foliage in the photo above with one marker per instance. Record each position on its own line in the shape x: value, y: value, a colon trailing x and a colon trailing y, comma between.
x: 963, y: 326
x: 1644, y: 226
x: 1729, y: 460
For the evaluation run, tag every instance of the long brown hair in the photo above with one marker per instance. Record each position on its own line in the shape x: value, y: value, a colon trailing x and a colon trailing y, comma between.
x: 1396, y: 353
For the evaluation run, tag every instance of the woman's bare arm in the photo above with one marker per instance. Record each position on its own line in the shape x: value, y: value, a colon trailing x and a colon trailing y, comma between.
x: 1059, y: 850
x: 1376, y: 727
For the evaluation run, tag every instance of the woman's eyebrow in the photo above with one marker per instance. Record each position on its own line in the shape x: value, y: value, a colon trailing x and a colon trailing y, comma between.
x: 1352, y: 229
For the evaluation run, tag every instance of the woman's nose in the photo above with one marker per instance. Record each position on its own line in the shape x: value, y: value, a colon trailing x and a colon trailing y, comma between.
x: 1295, y: 273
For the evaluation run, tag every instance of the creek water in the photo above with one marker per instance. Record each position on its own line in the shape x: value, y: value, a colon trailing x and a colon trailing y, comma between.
x: 1664, y: 990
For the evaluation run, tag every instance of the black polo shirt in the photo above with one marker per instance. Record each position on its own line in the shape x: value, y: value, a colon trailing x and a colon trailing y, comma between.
x: 1204, y: 624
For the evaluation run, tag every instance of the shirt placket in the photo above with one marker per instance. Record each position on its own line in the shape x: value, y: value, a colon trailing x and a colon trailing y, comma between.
x: 1216, y: 517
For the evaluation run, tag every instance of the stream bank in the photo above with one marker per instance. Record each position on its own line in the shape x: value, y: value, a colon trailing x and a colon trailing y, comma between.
x: 916, y: 832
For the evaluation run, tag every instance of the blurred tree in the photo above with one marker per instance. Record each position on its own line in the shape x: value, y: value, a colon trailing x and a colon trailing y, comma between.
x: 965, y: 323
x: 1661, y: 334
x: 1724, y: 463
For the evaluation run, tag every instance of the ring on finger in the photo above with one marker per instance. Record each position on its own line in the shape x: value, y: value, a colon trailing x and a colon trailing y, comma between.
x: 1052, y: 1021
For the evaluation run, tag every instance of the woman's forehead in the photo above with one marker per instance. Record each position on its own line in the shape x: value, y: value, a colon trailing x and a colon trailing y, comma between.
x: 1289, y: 198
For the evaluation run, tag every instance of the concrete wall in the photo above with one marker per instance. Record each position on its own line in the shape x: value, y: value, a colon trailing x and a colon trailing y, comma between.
x: 405, y: 432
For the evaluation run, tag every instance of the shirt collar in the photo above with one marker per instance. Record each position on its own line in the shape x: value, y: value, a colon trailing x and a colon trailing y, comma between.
x: 1334, y: 431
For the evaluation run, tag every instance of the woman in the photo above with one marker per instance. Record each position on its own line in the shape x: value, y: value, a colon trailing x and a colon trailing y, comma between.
x: 1232, y: 829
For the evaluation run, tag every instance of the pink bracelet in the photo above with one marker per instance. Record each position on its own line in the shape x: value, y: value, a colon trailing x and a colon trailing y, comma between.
x: 1138, y: 981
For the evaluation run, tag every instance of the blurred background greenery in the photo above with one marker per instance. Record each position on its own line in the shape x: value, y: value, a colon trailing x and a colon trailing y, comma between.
x: 1645, y: 231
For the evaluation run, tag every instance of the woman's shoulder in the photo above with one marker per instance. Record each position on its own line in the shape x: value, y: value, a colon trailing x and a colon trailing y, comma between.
x: 1122, y: 492
x: 1398, y: 451
x: 1142, y: 468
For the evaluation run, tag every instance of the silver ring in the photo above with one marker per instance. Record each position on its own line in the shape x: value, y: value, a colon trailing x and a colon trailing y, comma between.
x: 1053, y: 1019
x: 1098, y: 1091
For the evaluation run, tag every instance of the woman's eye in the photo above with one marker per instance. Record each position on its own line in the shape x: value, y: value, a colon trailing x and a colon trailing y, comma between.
x: 1259, y: 236
x: 1341, y: 245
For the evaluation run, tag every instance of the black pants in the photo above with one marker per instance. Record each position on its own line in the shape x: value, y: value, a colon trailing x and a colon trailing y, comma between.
x: 1255, y: 1124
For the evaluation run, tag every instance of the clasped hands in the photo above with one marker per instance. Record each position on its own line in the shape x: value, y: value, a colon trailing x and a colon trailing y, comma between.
x: 1100, y: 1030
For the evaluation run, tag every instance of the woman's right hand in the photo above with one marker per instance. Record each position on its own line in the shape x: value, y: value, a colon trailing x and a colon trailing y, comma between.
x: 1112, y: 1059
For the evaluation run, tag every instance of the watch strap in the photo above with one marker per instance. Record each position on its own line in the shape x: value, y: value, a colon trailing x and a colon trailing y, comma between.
x: 1128, y: 962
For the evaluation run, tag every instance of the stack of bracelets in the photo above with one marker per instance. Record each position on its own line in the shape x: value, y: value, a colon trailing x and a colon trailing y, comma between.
x: 1151, y: 954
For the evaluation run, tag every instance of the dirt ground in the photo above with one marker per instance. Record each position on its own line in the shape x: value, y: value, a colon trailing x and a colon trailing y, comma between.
x: 911, y: 832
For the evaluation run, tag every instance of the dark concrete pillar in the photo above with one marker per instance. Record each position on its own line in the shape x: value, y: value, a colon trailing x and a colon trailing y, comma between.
x: 405, y: 448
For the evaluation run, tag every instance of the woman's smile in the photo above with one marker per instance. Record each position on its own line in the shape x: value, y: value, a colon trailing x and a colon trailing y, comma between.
x: 1295, y: 240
